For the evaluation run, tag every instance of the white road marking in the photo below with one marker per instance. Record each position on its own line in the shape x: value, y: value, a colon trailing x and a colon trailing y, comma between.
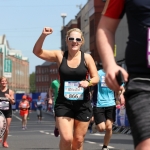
x: 98, y: 134
x: 9, y: 135
x: 90, y: 142
x: 52, y: 133
x: 17, y: 117
x: 46, y: 132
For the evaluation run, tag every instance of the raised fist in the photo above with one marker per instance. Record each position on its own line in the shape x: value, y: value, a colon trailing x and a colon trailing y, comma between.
x: 47, y: 30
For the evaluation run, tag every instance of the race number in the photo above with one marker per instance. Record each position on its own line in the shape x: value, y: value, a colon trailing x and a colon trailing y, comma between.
x: 72, y: 91
x: 103, y: 84
x: 3, y: 124
x: 24, y: 105
x: 39, y: 103
x: 4, y: 105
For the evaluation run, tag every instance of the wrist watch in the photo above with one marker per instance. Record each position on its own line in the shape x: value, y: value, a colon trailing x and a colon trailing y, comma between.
x: 90, y: 83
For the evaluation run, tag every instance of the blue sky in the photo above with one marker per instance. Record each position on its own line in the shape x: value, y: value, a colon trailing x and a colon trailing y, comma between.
x: 22, y: 21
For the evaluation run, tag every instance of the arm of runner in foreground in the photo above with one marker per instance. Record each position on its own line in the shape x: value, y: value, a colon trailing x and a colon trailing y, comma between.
x: 105, y: 43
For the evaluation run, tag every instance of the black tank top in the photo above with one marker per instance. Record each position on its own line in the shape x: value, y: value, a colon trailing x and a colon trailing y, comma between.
x: 72, y: 74
x: 4, y: 99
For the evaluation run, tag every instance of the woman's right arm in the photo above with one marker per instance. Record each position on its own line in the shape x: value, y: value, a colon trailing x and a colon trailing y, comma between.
x: 48, y: 55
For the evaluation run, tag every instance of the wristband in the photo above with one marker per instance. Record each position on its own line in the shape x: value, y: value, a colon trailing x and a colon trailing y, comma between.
x: 90, y: 83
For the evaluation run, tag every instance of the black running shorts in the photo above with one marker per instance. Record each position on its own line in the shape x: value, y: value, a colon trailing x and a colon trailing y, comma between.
x: 137, y: 97
x: 7, y: 113
x: 101, y: 114
x: 79, y: 110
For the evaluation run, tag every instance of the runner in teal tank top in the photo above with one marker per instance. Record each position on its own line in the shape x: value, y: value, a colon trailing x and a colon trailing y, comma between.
x: 104, y: 108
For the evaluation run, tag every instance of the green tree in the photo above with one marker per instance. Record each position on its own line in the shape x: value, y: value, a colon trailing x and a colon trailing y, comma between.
x: 32, y: 83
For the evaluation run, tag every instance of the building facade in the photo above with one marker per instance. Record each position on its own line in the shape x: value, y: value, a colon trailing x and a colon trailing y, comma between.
x: 87, y: 20
x: 44, y: 75
x: 14, y: 66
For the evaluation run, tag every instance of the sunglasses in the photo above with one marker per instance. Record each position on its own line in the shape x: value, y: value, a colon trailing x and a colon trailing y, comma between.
x: 72, y: 39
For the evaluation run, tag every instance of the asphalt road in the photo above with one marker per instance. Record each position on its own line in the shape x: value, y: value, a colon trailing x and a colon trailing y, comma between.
x: 39, y: 136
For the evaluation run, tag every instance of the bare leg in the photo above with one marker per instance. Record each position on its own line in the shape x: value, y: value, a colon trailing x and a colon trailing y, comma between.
x: 108, y: 132
x: 144, y: 145
x: 7, y: 129
x: 80, y: 129
x: 25, y: 120
x: 65, y: 126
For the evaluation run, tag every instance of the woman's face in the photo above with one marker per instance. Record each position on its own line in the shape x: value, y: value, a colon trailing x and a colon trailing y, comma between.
x: 3, y: 82
x: 74, y: 41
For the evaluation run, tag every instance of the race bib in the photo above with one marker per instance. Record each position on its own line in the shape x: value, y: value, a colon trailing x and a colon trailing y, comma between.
x: 72, y: 91
x: 103, y: 84
x: 24, y: 105
x: 148, y: 48
x: 39, y: 103
x: 4, y: 105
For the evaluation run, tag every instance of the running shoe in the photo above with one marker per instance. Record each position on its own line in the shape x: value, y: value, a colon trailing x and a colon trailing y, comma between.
x: 56, y: 132
x: 23, y: 128
x: 5, y: 144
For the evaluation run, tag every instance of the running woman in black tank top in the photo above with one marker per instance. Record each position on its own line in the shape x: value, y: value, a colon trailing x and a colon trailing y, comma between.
x: 72, y: 109
x: 6, y: 99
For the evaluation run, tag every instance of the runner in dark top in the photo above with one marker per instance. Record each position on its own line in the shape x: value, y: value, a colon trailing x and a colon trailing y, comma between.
x: 6, y: 100
x: 73, y: 109
x: 137, y: 58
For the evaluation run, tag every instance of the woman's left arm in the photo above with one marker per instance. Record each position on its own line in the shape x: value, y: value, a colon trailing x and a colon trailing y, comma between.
x: 11, y: 97
x: 94, y: 77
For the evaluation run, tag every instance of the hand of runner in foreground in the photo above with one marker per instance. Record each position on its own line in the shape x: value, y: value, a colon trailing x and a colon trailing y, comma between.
x: 110, y: 78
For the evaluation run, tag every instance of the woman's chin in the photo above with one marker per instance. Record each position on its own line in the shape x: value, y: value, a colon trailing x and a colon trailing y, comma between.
x: 74, y: 49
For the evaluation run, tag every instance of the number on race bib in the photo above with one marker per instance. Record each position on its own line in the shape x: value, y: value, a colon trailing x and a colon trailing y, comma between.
x: 73, y: 96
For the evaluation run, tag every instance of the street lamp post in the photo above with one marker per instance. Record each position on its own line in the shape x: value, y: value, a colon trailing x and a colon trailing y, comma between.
x: 63, y: 15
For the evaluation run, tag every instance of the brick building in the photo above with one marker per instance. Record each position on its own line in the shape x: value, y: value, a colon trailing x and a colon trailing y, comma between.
x: 44, y: 75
